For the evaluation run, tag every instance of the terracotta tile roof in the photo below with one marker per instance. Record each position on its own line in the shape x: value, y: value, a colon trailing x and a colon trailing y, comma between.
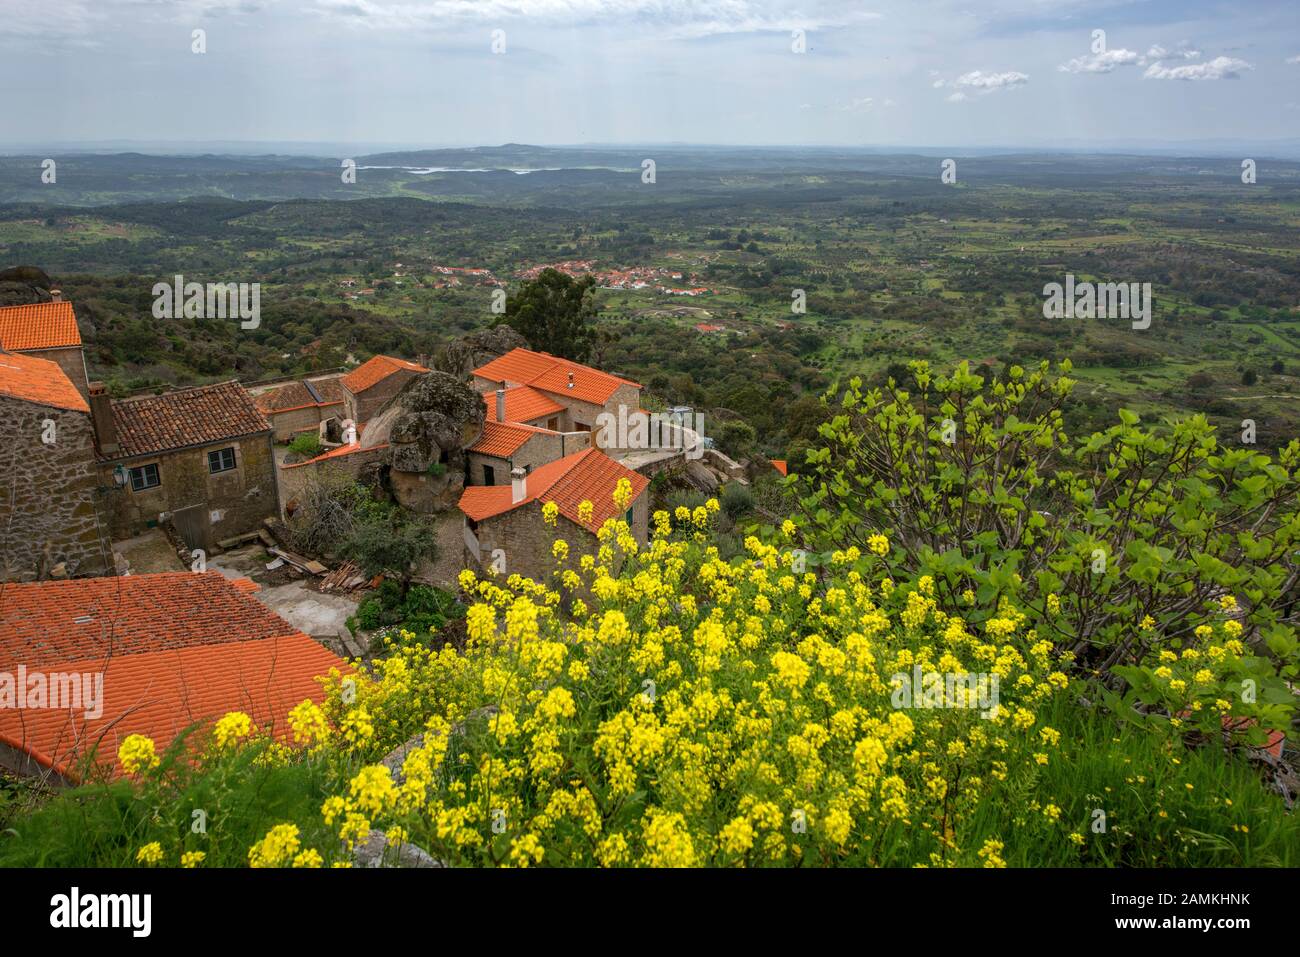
x: 40, y: 381
x: 343, y: 450
x: 304, y: 394
x: 503, y: 439
x: 90, y: 619
x: 550, y: 373
x: 199, y: 416
x: 376, y: 370
x: 42, y: 325
x: 522, y: 404
x: 162, y: 693
x: 779, y: 465
x: 589, y: 475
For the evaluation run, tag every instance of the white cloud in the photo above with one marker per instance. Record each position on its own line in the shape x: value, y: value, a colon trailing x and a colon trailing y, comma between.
x: 1293, y: 59
x: 1220, y: 68
x: 1157, y: 52
x: 858, y: 105
x: 977, y: 81
x: 1100, y: 62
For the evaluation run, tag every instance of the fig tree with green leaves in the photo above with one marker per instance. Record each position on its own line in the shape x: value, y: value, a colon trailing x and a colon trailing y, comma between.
x: 1124, y: 546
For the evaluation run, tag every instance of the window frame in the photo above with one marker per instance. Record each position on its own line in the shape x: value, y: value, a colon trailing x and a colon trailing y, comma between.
x: 143, y: 470
x: 234, y: 461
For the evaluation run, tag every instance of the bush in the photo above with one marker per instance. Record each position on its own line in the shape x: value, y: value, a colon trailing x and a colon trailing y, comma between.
x: 307, y: 444
x: 422, y: 611
x: 1128, y: 547
x: 737, y: 500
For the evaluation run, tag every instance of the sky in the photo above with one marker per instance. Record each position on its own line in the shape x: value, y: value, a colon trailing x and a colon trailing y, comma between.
x: 479, y: 72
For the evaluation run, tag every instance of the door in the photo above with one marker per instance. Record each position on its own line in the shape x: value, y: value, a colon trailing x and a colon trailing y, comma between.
x: 193, y: 527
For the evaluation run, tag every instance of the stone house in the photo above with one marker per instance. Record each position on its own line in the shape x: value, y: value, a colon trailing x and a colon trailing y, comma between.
x: 49, y: 520
x: 504, y: 522
x: 293, y: 408
x: 47, y: 330
x: 200, y: 458
x: 554, y: 393
x: 370, y: 385
x: 507, y: 443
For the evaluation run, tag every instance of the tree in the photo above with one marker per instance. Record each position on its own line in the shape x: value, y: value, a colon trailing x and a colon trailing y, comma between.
x: 554, y: 313
x: 388, y: 543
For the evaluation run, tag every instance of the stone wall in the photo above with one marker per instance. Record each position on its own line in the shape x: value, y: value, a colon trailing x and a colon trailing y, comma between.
x: 294, y: 478
x: 292, y: 422
x: 362, y: 408
x: 230, y: 503
x: 71, y: 360
x: 48, y: 506
x: 526, y: 539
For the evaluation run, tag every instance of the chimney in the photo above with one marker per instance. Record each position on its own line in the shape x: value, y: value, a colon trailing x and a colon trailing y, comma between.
x: 501, y: 403
x: 570, y: 380
x: 101, y: 417
x: 518, y: 485
x: 56, y: 295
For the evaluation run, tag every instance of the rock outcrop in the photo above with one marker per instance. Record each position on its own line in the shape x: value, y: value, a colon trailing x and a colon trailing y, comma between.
x: 462, y: 356
x: 427, y: 426
x: 23, y: 285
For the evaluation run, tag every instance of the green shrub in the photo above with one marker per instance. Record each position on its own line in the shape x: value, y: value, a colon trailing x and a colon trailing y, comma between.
x: 307, y: 444
x: 736, y: 500
x: 1127, y: 546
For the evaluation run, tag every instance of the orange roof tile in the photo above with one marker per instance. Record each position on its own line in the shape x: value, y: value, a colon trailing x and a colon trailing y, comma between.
x: 779, y: 465
x: 303, y: 394
x: 176, y: 420
x: 94, y: 618
x: 42, y: 325
x: 551, y: 374
x: 502, y: 439
x: 160, y: 694
x: 375, y: 370
x: 589, y: 475
x: 40, y: 381
x: 522, y: 404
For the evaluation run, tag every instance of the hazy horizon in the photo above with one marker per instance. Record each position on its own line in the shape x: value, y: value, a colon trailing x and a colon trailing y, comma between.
x: 836, y: 73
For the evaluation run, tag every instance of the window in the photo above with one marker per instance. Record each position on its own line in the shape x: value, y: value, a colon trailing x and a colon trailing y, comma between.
x: 489, y: 475
x: 553, y: 423
x: 146, y: 476
x: 221, y: 460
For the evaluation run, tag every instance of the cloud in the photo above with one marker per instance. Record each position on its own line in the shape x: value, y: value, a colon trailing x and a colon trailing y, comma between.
x: 1157, y: 52
x: 683, y: 19
x: 979, y: 83
x: 858, y: 105
x: 1293, y: 59
x: 1220, y: 68
x: 1100, y: 62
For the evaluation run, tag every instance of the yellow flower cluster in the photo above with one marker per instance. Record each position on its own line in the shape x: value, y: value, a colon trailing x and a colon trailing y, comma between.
x: 231, y: 728
x: 137, y: 753
x: 695, y: 711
